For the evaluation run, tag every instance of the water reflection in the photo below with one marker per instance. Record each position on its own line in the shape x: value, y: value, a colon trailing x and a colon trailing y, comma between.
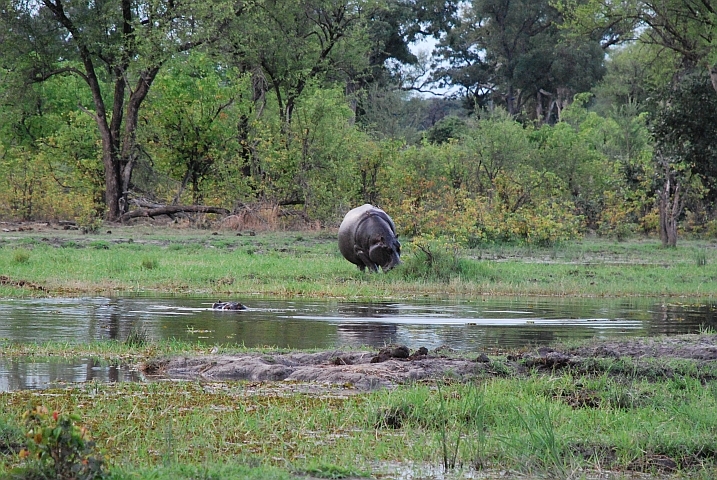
x: 25, y: 374
x: 463, y: 324
x: 466, y: 324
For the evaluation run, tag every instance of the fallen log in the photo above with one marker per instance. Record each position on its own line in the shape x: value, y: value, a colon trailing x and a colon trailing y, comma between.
x: 172, y: 209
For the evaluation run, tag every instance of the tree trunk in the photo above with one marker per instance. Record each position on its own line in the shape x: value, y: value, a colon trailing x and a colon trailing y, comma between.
x: 128, y: 157
x: 510, y: 101
x: 669, y: 204
x: 713, y: 76
x: 118, y: 150
x: 113, y: 186
x: 172, y: 209
x: 539, y: 106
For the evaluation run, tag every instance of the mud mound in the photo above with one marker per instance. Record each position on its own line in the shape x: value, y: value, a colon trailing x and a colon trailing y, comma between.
x: 361, y: 369
x: 691, y: 347
x: 393, y: 365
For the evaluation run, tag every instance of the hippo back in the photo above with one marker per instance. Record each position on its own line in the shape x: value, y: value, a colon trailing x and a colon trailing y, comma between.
x: 355, y: 234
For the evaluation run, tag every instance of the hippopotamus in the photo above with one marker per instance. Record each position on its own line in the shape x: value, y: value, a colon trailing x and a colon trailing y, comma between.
x: 367, y: 238
x: 228, y: 306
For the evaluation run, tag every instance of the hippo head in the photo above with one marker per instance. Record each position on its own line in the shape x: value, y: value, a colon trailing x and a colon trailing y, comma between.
x: 385, y: 252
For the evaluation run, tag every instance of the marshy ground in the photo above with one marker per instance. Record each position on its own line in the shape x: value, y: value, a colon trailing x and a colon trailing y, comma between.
x: 653, y: 358
x: 639, y: 408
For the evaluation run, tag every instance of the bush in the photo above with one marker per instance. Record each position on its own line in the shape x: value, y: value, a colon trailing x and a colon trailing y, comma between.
x: 58, y: 447
x: 432, y: 261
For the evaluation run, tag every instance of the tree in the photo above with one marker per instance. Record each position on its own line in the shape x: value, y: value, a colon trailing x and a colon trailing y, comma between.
x: 684, y: 128
x: 687, y: 28
x: 288, y: 45
x: 683, y: 119
x: 117, y: 47
x: 190, y: 120
x: 513, y: 54
x: 49, y: 161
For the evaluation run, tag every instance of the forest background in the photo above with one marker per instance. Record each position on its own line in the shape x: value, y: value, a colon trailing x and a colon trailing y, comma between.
x: 559, y: 117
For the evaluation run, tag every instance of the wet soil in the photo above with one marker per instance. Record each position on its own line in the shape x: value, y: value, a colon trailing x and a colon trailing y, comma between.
x: 394, y: 365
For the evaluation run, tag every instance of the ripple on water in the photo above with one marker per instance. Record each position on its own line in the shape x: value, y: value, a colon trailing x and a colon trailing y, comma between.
x: 463, y: 324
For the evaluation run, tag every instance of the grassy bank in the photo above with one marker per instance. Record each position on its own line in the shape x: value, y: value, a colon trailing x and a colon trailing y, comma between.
x: 615, y: 418
x: 309, y: 264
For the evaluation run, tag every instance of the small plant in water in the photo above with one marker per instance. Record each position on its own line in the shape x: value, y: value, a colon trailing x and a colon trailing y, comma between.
x: 450, y: 454
x: 547, y: 447
x: 59, y: 448
x: 706, y: 329
x: 137, y: 338
x: 469, y: 413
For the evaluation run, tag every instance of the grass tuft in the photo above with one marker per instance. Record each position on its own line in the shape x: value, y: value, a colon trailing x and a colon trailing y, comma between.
x: 21, y: 255
x: 137, y: 338
x: 700, y: 257
x: 149, y: 263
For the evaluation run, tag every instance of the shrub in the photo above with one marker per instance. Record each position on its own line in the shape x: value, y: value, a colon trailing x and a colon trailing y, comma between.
x: 58, y: 447
x: 432, y: 261
x: 89, y: 222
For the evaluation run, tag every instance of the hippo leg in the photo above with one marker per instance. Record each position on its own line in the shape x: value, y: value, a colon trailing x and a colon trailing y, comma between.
x: 363, y: 256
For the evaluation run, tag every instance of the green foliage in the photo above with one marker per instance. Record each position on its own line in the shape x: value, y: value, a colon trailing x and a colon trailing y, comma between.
x: 446, y: 129
x: 432, y: 261
x: 191, y: 129
x: 633, y: 72
x: 684, y: 130
x: 484, y: 188
x: 57, y: 445
x: 299, y: 45
x: 50, y: 167
x: 516, y: 56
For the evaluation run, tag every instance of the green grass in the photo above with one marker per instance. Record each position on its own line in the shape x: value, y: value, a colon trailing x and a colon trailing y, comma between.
x: 536, y: 425
x: 286, y: 264
x: 616, y: 414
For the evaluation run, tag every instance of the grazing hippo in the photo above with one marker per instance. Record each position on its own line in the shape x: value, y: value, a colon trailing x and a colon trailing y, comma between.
x: 367, y: 238
x: 228, y: 306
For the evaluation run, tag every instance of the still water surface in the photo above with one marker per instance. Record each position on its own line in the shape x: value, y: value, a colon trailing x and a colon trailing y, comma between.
x: 470, y: 325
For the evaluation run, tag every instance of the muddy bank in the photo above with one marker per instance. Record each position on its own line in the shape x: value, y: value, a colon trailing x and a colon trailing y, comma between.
x: 365, y: 370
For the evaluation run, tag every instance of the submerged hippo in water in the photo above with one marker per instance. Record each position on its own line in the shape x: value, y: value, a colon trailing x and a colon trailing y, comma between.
x: 367, y: 238
x: 228, y: 306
